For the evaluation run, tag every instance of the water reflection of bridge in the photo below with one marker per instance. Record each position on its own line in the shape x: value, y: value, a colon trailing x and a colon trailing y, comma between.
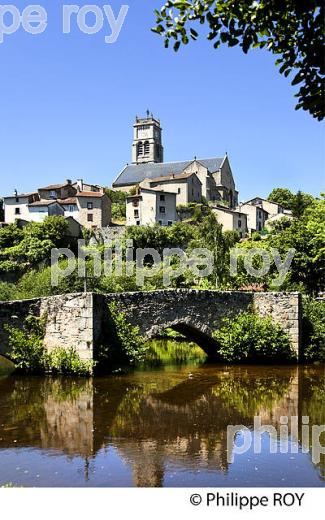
x: 152, y: 421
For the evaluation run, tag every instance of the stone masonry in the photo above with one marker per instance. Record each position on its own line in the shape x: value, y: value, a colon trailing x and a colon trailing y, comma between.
x: 81, y: 320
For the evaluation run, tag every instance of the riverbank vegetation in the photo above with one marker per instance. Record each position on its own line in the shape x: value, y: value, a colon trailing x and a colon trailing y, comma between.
x: 248, y: 337
x: 122, y: 345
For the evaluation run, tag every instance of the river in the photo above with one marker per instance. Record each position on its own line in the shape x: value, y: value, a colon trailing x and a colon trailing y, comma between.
x: 165, y: 424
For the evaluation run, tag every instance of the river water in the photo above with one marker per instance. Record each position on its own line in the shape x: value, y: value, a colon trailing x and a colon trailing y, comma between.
x: 165, y: 424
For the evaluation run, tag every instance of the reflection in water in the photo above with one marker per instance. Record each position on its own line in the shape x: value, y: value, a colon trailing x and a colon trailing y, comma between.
x: 154, y: 428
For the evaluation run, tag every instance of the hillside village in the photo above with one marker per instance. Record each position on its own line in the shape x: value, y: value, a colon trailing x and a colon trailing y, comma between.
x: 154, y: 191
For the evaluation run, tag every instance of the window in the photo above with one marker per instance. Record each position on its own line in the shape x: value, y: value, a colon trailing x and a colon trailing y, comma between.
x: 239, y: 223
x: 178, y: 191
x: 146, y: 148
x: 17, y: 211
x: 136, y: 213
x: 170, y: 223
x: 71, y: 208
x: 135, y: 203
x: 90, y: 205
x: 140, y: 148
x: 162, y: 198
x: 53, y: 194
x: 138, y: 222
x: 162, y: 209
x: 160, y: 222
x: 90, y: 217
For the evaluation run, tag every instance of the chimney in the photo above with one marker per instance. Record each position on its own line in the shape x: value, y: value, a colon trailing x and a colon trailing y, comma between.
x: 15, y: 193
x: 68, y: 181
x: 80, y: 184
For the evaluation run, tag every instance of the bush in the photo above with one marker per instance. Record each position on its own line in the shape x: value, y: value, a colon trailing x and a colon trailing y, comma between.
x: 313, y: 327
x: 125, y: 346
x: 66, y: 361
x: 248, y: 337
x: 27, y: 345
x: 30, y: 357
x: 7, y: 291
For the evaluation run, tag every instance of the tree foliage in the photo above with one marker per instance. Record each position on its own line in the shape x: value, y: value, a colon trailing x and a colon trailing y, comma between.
x: 26, y: 247
x: 293, y: 31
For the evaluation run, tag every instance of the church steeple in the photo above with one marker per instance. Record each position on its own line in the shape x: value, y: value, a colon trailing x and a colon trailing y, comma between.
x: 147, y: 143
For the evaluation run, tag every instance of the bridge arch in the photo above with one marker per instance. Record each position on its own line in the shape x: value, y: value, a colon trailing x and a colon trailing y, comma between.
x: 195, y: 331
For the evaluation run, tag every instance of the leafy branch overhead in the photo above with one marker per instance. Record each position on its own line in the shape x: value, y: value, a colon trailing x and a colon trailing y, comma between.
x: 292, y: 30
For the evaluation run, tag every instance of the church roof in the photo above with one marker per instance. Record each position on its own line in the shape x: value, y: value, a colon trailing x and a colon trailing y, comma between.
x: 135, y: 173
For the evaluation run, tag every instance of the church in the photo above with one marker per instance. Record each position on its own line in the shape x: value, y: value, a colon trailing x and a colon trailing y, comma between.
x: 191, y: 180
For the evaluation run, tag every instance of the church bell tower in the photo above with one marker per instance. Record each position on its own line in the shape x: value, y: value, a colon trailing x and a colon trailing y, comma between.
x: 147, y: 143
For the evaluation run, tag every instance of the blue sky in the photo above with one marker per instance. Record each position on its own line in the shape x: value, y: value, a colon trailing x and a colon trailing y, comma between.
x: 67, y: 105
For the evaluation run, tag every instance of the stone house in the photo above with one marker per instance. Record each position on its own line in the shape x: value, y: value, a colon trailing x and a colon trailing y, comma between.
x: 231, y: 220
x: 151, y: 206
x: 273, y: 208
x: 187, y: 186
x: 57, y: 191
x: 91, y: 209
x: 256, y: 216
x: 215, y: 175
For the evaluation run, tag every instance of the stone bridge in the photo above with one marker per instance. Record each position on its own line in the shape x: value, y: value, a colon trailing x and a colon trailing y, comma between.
x: 81, y: 320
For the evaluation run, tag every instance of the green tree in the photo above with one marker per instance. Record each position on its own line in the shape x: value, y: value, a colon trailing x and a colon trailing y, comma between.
x: 293, y: 31
x: 307, y: 236
x: 300, y: 203
x: 281, y: 196
x: 10, y: 236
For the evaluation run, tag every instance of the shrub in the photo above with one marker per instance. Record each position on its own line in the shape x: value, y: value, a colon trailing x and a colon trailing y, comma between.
x: 125, y: 346
x: 7, y: 291
x: 313, y: 327
x: 30, y: 357
x: 248, y: 337
x: 27, y: 345
x: 66, y: 361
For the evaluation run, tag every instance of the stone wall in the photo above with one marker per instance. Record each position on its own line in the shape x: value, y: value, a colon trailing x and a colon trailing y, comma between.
x: 79, y: 320
x: 70, y: 321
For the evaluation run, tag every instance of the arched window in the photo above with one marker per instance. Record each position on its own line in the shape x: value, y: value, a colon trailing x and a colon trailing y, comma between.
x: 140, y: 148
x: 146, y: 148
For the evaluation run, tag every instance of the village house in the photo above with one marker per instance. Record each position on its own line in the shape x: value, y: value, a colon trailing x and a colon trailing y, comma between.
x: 87, y: 204
x: 256, y: 216
x: 151, y: 206
x: 231, y: 220
x: 40, y: 209
x: 273, y: 208
x: 16, y: 206
x: 215, y: 174
x: 187, y: 186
